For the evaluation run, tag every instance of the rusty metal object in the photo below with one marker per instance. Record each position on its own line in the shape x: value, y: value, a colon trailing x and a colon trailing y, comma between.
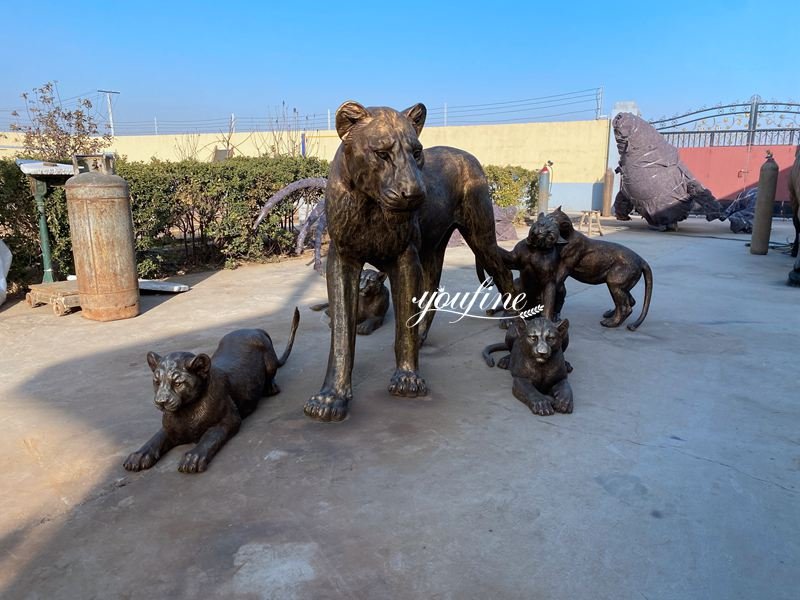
x: 765, y: 202
x: 101, y: 228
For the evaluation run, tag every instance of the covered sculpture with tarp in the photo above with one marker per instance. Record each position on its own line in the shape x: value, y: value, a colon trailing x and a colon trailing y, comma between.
x: 655, y: 182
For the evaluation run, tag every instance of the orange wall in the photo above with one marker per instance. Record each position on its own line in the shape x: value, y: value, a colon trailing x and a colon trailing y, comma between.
x: 726, y: 171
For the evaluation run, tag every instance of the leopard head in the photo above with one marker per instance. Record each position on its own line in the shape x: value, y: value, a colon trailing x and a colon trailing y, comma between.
x: 543, y: 234
x: 564, y: 223
x: 383, y: 156
x: 179, y: 379
x: 540, y: 337
x: 371, y: 282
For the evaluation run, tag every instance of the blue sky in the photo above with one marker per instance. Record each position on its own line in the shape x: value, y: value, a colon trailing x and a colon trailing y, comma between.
x: 205, y: 60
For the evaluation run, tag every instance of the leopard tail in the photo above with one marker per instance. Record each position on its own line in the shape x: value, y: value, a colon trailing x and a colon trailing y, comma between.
x: 295, y: 323
x: 648, y: 293
x: 487, y: 352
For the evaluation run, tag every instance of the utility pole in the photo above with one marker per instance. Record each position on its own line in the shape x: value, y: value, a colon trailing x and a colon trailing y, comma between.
x: 155, y: 124
x: 110, y: 113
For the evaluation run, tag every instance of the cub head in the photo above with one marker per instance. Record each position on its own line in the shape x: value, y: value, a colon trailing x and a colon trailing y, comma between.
x: 543, y: 234
x: 179, y: 379
x: 383, y: 155
x: 565, y: 226
x: 540, y: 337
x: 371, y: 282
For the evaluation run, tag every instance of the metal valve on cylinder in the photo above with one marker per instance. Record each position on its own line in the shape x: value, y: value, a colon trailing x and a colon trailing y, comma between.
x: 101, y: 228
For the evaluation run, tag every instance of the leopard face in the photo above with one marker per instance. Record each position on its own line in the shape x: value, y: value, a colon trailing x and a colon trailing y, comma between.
x: 179, y: 379
x: 384, y: 155
x: 543, y: 234
x: 540, y: 337
x: 371, y: 283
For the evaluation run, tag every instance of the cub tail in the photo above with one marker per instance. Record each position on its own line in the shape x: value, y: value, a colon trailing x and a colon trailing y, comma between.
x: 319, y: 307
x: 487, y: 352
x: 295, y: 323
x: 648, y: 293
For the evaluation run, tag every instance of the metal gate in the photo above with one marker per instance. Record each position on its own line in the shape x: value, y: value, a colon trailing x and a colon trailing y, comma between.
x: 724, y: 146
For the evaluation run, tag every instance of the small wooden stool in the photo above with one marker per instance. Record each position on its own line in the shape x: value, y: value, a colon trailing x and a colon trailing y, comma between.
x: 590, y: 218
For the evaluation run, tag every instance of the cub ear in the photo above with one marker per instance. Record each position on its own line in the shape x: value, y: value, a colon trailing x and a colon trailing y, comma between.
x: 416, y: 114
x: 200, y: 364
x: 521, y: 325
x: 381, y: 276
x: 347, y: 115
x: 563, y: 326
x: 153, y: 359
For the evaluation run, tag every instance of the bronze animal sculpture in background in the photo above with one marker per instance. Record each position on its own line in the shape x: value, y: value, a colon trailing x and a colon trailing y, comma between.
x: 537, y: 364
x: 373, y: 302
x: 393, y: 205
x: 537, y: 258
x: 205, y: 399
x: 597, y: 261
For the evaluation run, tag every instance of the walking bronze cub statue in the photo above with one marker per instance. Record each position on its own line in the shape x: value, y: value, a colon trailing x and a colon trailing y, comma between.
x: 597, y: 261
x: 537, y: 258
x: 373, y: 302
x: 393, y: 205
x: 205, y: 399
x: 537, y: 364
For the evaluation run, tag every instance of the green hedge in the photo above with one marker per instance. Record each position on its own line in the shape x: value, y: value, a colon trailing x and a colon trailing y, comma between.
x: 513, y: 186
x: 191, y: 214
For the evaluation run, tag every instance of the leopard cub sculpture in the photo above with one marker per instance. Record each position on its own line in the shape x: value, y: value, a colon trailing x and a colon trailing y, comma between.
x: 373, y: 302
x: 537, y: 364
x: 537, y: 258
x: 597, y: 261
x: 203, y: 400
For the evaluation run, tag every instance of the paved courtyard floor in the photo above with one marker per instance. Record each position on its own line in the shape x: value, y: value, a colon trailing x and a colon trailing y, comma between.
x: 677, y: 476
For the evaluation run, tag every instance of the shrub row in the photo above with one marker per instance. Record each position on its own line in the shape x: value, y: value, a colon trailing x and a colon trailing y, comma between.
x: 189, y: 214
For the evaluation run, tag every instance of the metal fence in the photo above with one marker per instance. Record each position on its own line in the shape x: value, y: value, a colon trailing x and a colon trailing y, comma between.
x: 754, y: 123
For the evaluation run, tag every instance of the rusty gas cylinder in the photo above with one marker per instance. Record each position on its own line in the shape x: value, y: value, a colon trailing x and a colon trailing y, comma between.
x: 101, y: 228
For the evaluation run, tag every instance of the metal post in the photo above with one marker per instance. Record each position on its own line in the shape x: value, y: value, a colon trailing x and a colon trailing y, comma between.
x: 110, y: 113
x: 608, y: 188
x: 752, y: 123
x: 445, y: 114
x: 329, y: 119
x: 762, y: 222
x: 155, y: 124
x: 39, y: 192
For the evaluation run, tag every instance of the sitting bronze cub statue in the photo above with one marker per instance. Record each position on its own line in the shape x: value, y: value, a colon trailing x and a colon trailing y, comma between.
x: 537, y: 258
x: 205, y: 399
x: 597, y: 261
x: 537, y: 364
x: 373, y: 302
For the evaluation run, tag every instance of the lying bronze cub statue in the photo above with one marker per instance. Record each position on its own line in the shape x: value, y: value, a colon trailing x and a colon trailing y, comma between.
x: 205, y: 399
x: 537, y: 364
x: 373, y: 302
x: 596, y: 261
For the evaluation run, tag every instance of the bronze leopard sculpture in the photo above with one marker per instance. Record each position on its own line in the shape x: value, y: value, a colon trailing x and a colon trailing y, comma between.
x: 597, y: 261
x: 205, y: 399
x: 373, y: 302
x: 392, y: 204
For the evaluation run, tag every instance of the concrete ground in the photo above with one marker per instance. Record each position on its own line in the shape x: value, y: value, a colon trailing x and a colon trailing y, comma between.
x: 677, y: 476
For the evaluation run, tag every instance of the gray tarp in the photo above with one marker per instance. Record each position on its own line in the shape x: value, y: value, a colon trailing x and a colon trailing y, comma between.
x: 654, y: 180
